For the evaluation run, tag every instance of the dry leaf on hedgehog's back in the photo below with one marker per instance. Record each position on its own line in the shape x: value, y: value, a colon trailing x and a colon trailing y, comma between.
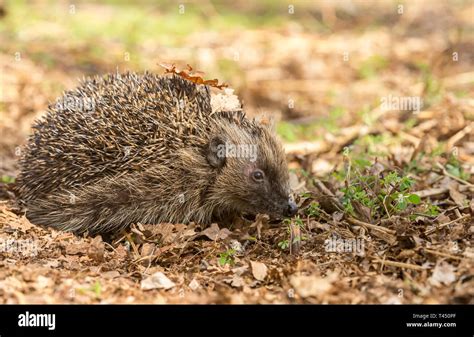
x: 193, y: 76
x: 225, y: 102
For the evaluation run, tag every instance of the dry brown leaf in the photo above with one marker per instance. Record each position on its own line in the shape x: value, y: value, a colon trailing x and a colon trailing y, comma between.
x: 96, y: 250
x: 77, y: 248
x: 311, y: 285
x: 443, y: 273
x: 110, y: 274
x: 214, y: 233
x: 157, y: 281
x: 458, y: 198
x: 193, y: 76
x: 194, y: 284
x: 259, y: 270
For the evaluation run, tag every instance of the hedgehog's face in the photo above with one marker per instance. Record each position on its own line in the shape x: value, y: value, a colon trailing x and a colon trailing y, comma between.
x: 253, y: 177
x: 266, y: 190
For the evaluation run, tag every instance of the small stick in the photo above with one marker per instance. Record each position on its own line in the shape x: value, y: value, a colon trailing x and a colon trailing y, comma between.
x: 295, y: 239
x: 382, y: 264
x: 434, y: 252
x: 400, y: 264
x: 439, y: 191
x: 446, y: 173
x: 459, y: 135
x: 430, y: 231
x: 431, y: 192
x: 134, y: 247
x: 368, y: 225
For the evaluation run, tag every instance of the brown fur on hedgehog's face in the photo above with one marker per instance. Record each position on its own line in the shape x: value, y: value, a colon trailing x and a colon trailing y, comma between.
x: 252, y: 173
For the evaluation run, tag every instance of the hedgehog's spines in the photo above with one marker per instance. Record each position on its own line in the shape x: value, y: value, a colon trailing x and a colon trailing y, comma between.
x: 127, y: 148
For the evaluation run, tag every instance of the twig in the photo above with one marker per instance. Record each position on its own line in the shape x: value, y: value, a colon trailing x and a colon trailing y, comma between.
x: 393, y: 189
x: 446, y: 173
x: 434, y: 252
x: 108, y: 244
x: 368, y: 225
x: 385, y: 206
x: 458, y: 79
x: 431, y: 192
x: 134, y: 247
x: 459, y: 135
x: 399, y: 264
x: 382, y: 264
x: 432, y: 230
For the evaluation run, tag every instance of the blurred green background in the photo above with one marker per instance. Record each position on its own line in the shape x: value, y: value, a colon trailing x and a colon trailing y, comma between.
x: 315, y: 65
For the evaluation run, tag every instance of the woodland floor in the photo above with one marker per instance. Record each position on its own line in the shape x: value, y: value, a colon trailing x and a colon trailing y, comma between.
x: 392, y: 189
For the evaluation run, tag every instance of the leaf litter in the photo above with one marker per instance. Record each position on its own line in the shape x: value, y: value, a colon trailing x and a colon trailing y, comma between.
x: 386, y: 197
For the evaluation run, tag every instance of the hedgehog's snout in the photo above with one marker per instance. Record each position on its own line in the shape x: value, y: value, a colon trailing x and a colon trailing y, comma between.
x: 291, y: 208
x: 281, y: 207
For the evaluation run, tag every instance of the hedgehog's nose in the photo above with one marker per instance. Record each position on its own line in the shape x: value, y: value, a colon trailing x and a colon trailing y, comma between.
x: 291, y: 209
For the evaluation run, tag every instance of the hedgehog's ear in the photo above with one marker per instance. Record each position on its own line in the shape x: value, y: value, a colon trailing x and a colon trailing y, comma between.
x: 216, y: 152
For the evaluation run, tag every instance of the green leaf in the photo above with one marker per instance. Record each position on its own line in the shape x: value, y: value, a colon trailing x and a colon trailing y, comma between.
x: 223, y: 260
x: 283, y: 244
x: 414, y: 199
x: 406, y: 183
x: 7, y: 179
x: 401, y: 205
x: 362, y: 162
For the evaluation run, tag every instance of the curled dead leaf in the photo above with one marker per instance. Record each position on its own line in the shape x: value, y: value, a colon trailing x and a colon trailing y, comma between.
x: 190, y: 75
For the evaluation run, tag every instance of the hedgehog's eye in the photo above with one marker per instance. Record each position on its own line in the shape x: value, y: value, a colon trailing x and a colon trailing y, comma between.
x: 258, y: 175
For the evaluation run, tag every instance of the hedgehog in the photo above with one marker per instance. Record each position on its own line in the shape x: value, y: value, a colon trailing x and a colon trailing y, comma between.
x: 143, y: 148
